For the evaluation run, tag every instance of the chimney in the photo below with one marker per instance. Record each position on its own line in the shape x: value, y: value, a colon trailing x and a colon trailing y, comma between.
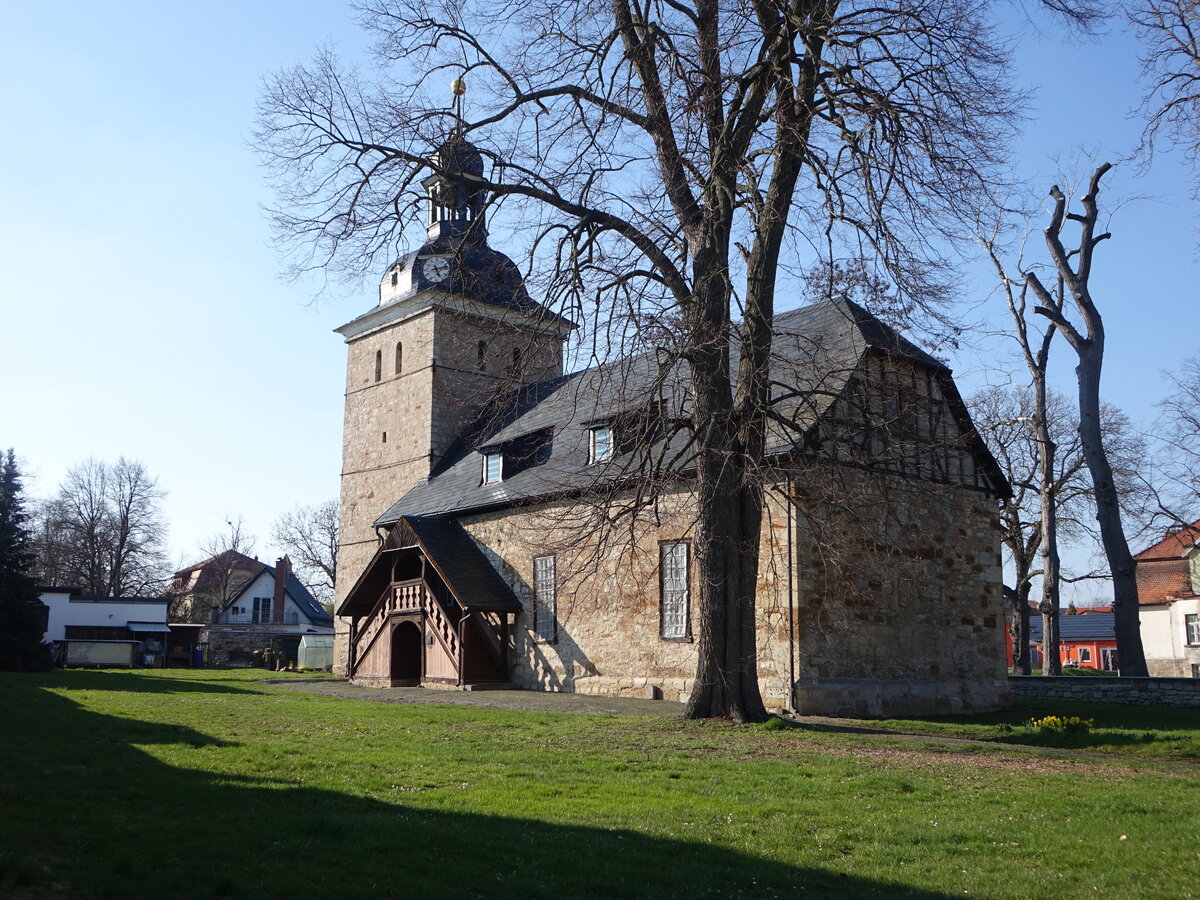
x: 282, y: 568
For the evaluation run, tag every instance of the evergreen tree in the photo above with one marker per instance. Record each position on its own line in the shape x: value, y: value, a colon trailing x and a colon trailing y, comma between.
x: 22, y: 614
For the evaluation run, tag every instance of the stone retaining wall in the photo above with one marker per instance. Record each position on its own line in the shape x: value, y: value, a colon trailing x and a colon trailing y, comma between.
x: 1182, y: 692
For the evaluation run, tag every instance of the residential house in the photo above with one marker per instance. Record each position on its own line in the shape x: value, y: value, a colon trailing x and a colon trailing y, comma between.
x: 1085, y: 641
x: 117, y: 631
x: 1168, y: 577
x: 273, y: 610
x: 204, y: 587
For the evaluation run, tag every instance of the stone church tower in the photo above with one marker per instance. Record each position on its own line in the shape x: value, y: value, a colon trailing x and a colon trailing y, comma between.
x: 453, y: 329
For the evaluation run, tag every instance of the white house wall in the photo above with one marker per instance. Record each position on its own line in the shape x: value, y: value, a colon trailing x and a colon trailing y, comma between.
x: 242, y: 610
x: 1164, y: 639
x: 104, y: 613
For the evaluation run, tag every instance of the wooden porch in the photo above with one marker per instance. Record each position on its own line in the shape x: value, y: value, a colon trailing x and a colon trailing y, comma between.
x: 410, y: 626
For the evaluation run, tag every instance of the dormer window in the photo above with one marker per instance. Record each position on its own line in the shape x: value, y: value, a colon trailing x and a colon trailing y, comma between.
x: 493, y: 467
x: 600, y: 445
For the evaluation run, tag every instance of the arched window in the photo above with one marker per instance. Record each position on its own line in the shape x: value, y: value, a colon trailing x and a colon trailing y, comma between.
x: 378, y: 365
x: 399, y: 357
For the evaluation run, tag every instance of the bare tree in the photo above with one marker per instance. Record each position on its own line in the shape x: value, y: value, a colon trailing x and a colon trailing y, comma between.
x: 1170, y: 32
x: 207, y: 586
x: 104, y: 532
x: 83, y: 524
x: 309, y: 536
x: 137, y: 532
x: 1179, y: 431
x: 1073, y: 269
x: 1008, y: 417
x: 658, y: 155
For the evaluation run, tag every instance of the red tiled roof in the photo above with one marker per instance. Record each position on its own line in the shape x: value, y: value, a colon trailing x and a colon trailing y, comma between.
x: 1174, y: 544
x: 1159, y: 580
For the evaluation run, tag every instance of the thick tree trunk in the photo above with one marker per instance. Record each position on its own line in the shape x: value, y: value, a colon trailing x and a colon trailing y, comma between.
x: 1131, y: 656
x: 728, y: 522
x: 1051, y: 662
x: 729, y: 516
x: 1048, y: 496
x: 1020, y: 628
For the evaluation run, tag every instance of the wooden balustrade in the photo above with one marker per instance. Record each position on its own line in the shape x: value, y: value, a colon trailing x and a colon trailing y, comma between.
x: 442, y: 627
x: 414, y: 596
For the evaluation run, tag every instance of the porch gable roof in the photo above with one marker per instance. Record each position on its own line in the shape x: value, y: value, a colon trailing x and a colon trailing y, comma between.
x: 446, y: 546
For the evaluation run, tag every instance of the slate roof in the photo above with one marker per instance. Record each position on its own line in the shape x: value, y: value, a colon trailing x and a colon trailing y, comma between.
x: 477, y: 272
x: 306, y: 601
x: 816, y: 349
x: 462, y: 564
x: 458, y: 560
x: 1092, y: 627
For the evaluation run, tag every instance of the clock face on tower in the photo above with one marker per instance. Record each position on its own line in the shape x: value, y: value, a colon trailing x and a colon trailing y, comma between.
x: 435, y: 268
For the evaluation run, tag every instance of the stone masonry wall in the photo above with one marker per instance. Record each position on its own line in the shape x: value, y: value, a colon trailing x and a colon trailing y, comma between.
x: 1177, y: 692
x: 396, y: 428
x: 462, y: 387
x: 911, y: 626
x: 375, y: 471
x: 899, y: 606
x: 608, y: 614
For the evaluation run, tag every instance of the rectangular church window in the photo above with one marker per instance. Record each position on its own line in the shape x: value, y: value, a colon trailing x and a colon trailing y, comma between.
x: 676, y: 594
x: 545, y: 599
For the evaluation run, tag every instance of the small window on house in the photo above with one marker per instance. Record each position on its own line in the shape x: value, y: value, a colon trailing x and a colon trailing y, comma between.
x: 1196, y: 670
x: 673, y: 559
x: 1191, y: 623
x: 600, y: 444
x: 545, y: 600
x: 395, y: 278
x: 385, y: 437
x: 1085, y: 654
x: 516, y: 357
x: 378, y: 365
x: 399, y: 357
x: 493, y: 467
x: 481, y: 355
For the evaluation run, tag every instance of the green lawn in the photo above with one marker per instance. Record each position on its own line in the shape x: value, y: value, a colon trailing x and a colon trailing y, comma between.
x: 1131, y: 731
x: 215, y: 784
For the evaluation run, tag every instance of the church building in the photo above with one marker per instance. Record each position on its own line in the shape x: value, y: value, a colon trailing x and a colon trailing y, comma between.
x: 504, y: 522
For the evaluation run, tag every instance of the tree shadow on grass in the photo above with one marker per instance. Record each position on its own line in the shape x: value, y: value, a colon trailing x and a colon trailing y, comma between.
x: 1107, y: 715
x: 89, y: 814
x: 139, y: 682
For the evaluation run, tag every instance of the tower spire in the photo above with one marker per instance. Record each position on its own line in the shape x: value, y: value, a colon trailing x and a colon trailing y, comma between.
x: 458, y: 88
x: 456, y: 199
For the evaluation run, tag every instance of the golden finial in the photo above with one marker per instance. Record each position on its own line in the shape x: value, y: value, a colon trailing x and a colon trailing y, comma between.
x: 458, y: 87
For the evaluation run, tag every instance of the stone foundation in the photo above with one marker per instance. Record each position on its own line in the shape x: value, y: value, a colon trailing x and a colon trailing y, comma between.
x: 234, y: 646
x: 1177, y: 692
x: 877, y: 698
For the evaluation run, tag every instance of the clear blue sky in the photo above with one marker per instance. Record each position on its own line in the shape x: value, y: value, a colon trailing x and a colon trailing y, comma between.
x: 142, y: 312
